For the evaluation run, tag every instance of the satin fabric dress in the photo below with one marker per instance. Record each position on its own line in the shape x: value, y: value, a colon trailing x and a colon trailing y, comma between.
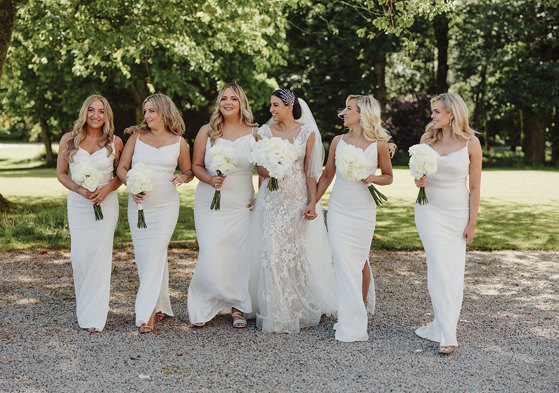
x: 161, y: 210
x: 351, y: 224
x: 221, y: 277
x: 441, y: 225
x: 92, y: 244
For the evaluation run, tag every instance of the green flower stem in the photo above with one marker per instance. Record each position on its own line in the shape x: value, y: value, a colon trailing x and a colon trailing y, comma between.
x: 378, y: 196
x: 273, y: 184
x: 422, y: 197
x: 98, y: 212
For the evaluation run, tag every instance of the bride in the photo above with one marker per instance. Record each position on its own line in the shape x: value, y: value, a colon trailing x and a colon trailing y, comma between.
x: 292, y: 276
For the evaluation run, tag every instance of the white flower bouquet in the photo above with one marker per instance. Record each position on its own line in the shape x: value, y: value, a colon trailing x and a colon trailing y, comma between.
x: 222, y: 161
x: 423, y: 161
x: 86, y: 174
x: 277, y: 156
x: 139, y: 180
x: 352, y: 164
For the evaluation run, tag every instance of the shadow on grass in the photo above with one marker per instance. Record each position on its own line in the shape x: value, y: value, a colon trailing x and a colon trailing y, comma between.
x: 41, y: 222
x: 511, y: 226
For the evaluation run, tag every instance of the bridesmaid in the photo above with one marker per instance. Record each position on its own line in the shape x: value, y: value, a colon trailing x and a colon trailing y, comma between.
x: 91, y: 241
x: 447, y: 223
x: 220, y: 281
x: 352, y: 214
x: 157, y: 143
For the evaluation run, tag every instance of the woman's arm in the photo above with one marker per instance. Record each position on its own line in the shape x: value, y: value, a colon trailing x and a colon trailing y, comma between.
x: 126, y: 161
x: 185, y: 165
x: 474, y: 150
x: 329, y: 171
x: 385, y: 178
x: 198, y: 166
x: 310, y: 211
x: 63, y: 167
x: 100, y: 194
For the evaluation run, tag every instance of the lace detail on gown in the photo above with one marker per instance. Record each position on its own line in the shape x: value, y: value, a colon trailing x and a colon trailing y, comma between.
x: 284, y: 298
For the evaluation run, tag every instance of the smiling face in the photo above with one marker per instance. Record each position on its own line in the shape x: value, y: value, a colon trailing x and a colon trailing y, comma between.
x: 280, y: 112
x: 229, y: 105
x: 153, y: 119
x: 351, y: 114
x: 96, y: 114
x: 441, y: 117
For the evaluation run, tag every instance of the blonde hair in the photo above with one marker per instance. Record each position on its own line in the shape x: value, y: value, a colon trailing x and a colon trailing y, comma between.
x: 216, y: 120
x: 169, y: 112
x: 452, y: 103
x: 371, y: 124
x: 80, y: 128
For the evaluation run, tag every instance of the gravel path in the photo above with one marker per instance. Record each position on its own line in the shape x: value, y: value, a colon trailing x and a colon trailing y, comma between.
x: 509, y: 334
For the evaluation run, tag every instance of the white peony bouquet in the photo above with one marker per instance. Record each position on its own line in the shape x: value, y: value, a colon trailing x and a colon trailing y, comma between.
x: 352, y: 164
x: 277, y: 156
x: 222, y: 161
x: 86, y: 174
x: 423, y: 161
x: 139, y: 180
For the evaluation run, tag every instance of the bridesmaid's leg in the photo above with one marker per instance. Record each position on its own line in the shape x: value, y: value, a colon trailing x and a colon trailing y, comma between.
x: 366, y: 282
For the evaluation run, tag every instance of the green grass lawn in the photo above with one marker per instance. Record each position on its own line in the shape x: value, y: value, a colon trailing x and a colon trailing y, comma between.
x: 519, y: 209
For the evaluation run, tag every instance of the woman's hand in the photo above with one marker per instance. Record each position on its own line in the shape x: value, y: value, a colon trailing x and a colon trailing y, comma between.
x: 84, y: 192
x: 217, y: 181
x: 183, y: 178
x: 251, y: 204
x: 469, y: 233
x: 422, y: 182
x: 368, y: 180
x: 100, y: 194
x: 310, y: 211
x: 138, y: 198
x: 262, y: 172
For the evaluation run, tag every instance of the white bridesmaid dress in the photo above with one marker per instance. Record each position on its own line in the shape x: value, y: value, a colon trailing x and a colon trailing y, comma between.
x: 220, y: 279
x: 351, y: 224
x: 441, y: 225
x: 92, y: 244
x: 161, y: 210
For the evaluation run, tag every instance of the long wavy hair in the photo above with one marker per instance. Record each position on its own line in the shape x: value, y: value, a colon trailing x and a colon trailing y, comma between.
x: 168, y: 111
x: 80, y: 128
x: 371, y: 123
x: 452, y: 103
x: 217, y: 120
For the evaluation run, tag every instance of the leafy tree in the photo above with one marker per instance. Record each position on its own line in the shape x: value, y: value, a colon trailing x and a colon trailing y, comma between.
x: 508, y: 54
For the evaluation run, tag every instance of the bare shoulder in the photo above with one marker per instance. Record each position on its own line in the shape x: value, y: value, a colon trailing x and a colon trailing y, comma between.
x: 184, y: 144
x: 474, y: 145
x: 335, y: 141
x: 118, y: 141
x: 204, y: 130
x: 422, y: 139
x: 65, y: 137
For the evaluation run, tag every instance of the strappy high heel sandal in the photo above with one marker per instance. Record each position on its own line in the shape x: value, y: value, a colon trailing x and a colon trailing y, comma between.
x: 445, y: 350
x: 240, y: 322
x: 147, y: 327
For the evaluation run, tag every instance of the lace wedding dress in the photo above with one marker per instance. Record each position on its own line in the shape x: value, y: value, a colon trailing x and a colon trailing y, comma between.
x: 284, y: 298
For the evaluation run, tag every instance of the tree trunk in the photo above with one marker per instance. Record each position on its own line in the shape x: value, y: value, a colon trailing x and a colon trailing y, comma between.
x: 45, y: 135
x: 554, y: 136
x: 7, y: 19
x: 379, y: 64
x: 440, y: 24
x: 534, y: 135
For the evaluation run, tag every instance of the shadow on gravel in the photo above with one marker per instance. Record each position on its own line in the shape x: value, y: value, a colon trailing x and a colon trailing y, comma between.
x: 508, y: 334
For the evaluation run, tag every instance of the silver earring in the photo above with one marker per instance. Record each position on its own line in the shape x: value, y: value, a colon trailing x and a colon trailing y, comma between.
x: 450, y: 122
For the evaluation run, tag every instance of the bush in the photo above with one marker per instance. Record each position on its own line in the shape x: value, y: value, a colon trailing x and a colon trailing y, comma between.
x: 406, y: 118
